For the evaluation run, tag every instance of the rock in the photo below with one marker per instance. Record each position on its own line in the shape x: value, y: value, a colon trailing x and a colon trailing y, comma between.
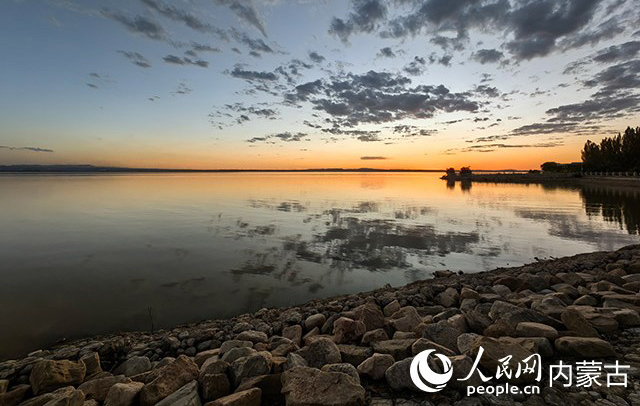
x: 465, y: 342
x: 370, y: 314
x: 203, y: 356
x: 253, y: 336
x: 315, y: 320
x: 603, y: 321
x: 172, y: 377
x: 513, y: 315
x: 443, y: 274
x: 391, y: 308
x: 626, y: 317
x: 423, y: 344
x: 251, y: 397
x: 4, y: 385
x: 90, y: 402
x: 585, y: 347
x: 270, y: 385
x: 577, y: 324
x: 398, y: 349
x: 133, y: 366
x: 535, y: 345
x: 307, y: 386
x: 343, y: 368
x: 549, y: 305
x: 66, y: 396
x: 634, y: 268
x: 354, y: 355
x: 48, y: 375
x: 374, y: 335
x: 347, y: 330
x: 494, y: 351
x: 405, y: 319
x: 448, y: 298
x: 477, y: 321
x: 376, y: 365
x: 213, y: 366
x: 15, y: 395
x: 98, y: 388
x: 92, y: 365
x: 462, y: 366
x: 294, y: 360
x: 399, y: 377
x: 185, y: 396
x: 468, y: 293
x: 248, y: 367
x: 444, y: 334
x: 586, y: 300
x: 123, y: 394
x: 214, y: 386
x: 237, y: 353
x: 322, y: 351
x: 293, y: 333
x: 529, y: 329
x: 231, y: 344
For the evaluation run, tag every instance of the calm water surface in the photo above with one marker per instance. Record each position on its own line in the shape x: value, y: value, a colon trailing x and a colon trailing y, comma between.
x: 87, y: 254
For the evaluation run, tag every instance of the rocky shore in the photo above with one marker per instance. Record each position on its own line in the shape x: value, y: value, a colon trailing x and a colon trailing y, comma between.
x: 358, y: 349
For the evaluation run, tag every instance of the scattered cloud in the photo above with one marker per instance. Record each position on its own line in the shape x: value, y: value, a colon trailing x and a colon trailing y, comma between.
x: 136, y: 58
x: 373, y: 158
x: 30, y: 149
x: 176, y: 60
x: 138, y: 25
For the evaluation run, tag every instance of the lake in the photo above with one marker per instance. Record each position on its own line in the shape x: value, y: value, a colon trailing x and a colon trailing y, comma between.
x: 89, y: 254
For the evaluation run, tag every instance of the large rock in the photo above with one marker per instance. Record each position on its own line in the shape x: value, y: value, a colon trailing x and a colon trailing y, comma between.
x: 185, y: 396
x: 123, y: 394
x: 48, y: 375
x: 213, y: 366
x: 444, y: 334
x: 98, y: 388
x: 577, y: 324
x: 253, y: 336
x: 173, y: 377
x: 494, y: 351
x: 529, y: 329
x: 513, y: 315
x: 353, y: 354
x: 133, y: 366
x: 347, y: 330
x: 231, y: 344
x: 376, y: 365
x: 374, y: 335
x: 237, y: 353
x: 253, y: 365
x: 398, y: 349
x: 584, y: 347
x: 423, y: 344
x: 67, y: 396
x: 15, y: 395
x: 315, y: 320
x: 214, y: 386
x: 250, y: 397
x: 320, y: 352
x: 371, y: 315
x: 92, y: 364
x: 399, y: 376
x: 405, y: 319
x: 448, y: 298
x: 343, y: 368
x: 310, y: 387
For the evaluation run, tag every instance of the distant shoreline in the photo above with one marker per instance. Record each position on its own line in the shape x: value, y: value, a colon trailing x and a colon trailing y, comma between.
x: 540, y: 178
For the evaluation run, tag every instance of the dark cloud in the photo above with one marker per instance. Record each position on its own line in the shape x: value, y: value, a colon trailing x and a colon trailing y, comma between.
x: 628, y: 50
x: 387, y: 52
x: 189, y: 19
x: 364, y: 18
x: 182, y: 89
x: 487, y: 56
x: 138, y: 25
x: 291, y: 70
x: 30, y: 149
x: 248, y: 75
x: 415, y: 67
x: 284, y: 137
x: 256, y: 45
x: 488, y: 91
x: 412, y: 131
x: 176, y: 60
x: 136, y: 58
x: 245, y: 11
x: 373, y: 158
x: 316, y: 57
x: 238, y: 113
x: 203, y: 47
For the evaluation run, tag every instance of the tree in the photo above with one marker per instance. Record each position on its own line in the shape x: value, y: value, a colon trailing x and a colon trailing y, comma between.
x: 465, y: 171
x: 550, y: 167
x: 451, y: 172
x: 619, y: 153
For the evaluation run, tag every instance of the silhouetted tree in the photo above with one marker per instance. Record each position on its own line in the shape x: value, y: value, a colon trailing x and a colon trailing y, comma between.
x: 619, y: 153
x: 451, y: 172
x: 465, y: 171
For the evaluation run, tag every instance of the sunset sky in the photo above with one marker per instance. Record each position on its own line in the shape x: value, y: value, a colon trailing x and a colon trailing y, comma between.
x: 266, y: 84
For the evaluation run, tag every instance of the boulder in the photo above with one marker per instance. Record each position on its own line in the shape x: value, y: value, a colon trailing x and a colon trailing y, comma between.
x: 98, y: 388
x: 423, y: 344
x: 172, y: 377
x: 203, y: 356
x: 294, y: 360
x: 494, y: 351
x: 237, y: 353
x: 123, y: 394
x: 549, y: 305
x: 49, y: 375
x: 448, y: 298
x: 398, y: 375
x: 213, y: 366
x: 15, y: 395
x: 376, y: 365
x: 347, y: 330
x: 465, y: 342
x: 270, y: 385
x: 405, y: 319
x: 185, y: 396
x: 529, y: 329
x: 253, y: 336
x: 214, y: 386
x: 66, y: 396
x: 374, y: 335
x: 391, y: 308
x: 320, y: 352
x: 444, y: 334
x: 577, y: 324
x: 250, y: 366
x: 308, y: 386
x: 293, y: 333
x: 231, y: 344
x: 584, y: 347
x: 353, y: 354
x: 250, y: 397
x: 315, y: 320
x: 343, y: 368
x: 370, y: 314
x: 91, y: 362
x: 133, y: 366
x: 398, y: 349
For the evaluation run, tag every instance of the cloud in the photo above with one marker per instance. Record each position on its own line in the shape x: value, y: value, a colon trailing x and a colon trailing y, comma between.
x: 241, y: 113
x: 415, y: 67
x: 138, y: 25
x: 203, y: 47
x: 412, y: 131
x: 136, y: 58
x: 30, y: 149
x: 387, y: 52
x: 364, y: 18
x: 484, y: 56
x: 256, y: 46
x: 373, y: 158
x: 628, y: 50
x: 248, y: 75
x: 187, y: 18
x: 316, y: 57
x: 245, y: 11
x: 176, y: 60
x: 182, y: 89
x: 284, y: 137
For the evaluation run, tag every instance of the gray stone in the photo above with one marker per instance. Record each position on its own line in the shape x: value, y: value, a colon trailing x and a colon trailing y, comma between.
x: 308, y: 386
x: 123, y: 394
x: 320, y: 352
x: 343, y: 368
x: 48, y: 375
x: 133, y: 366
x: 376, y: 365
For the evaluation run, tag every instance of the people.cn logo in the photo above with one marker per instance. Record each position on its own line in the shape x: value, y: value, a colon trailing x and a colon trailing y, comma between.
x: 427, y: 379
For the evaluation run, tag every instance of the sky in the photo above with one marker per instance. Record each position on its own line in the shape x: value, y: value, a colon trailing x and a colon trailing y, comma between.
x: 294, y: 84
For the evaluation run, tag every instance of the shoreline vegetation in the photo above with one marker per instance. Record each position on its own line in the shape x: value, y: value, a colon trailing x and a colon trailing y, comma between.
x: 357, y: 349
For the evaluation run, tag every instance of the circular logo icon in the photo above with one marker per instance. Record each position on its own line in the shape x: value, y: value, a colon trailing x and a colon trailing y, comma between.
x: 427, y: 379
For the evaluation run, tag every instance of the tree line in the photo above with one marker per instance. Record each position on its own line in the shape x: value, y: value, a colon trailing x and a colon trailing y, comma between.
x: 620, y: 153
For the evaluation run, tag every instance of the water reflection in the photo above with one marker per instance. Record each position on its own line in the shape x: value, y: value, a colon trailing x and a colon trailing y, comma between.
x: 90, y: 254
